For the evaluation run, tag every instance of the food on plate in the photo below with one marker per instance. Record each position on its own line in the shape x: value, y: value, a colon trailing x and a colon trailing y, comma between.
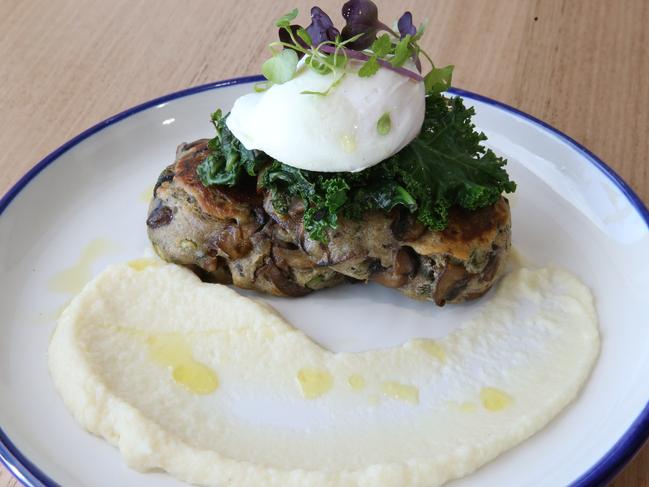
x: 217, y: 389
x: 347, y: 164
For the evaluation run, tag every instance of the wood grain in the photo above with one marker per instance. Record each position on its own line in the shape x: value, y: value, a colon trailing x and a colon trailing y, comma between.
x: 580, y: 65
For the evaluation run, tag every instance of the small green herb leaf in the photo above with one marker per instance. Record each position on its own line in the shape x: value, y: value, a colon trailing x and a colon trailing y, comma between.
x: 382, y: 46
x: 402, y: 52
x: 228, y: 161
x: 420, y: 30
x: 370, y: 68
x: 317, y: 65
x: 285, y: 20
x: 439, y: 79
x: 304, y: 35
x: 384, y: 125
x: 262, y: 86
x: 281, y: 67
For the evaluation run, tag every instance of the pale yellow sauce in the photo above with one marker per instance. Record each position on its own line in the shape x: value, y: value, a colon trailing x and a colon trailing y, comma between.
x: 147, y: 195
x: 434, y: 349
x: 314, y: 382
x: 356, y: 382
x: 402, y: 392
x: 72, y: 279
x: 143, y: 263
x: 348, y: 143
x: 494, y: 399
x: 467, y: 407
x: 172, y: 350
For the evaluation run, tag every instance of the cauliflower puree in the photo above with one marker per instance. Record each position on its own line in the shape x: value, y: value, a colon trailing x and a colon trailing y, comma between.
x: 217, y: 389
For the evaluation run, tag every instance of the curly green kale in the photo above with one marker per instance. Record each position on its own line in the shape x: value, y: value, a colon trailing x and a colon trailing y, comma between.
x: 445, y: 165
x: 228, y: 160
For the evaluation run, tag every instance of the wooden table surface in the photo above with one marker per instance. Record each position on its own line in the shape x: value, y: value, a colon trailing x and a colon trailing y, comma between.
x: 580, y: 65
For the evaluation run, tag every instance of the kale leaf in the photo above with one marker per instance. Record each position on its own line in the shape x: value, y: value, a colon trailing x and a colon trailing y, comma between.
x: 228, y: 160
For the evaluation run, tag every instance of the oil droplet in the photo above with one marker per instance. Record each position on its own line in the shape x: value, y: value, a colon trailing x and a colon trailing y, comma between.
x: 467, y: 407
x: 314, y: 382
x: 172, y: 350
x: 434, y: 349
x: 147, y: 195
x: 348, y: 142
x: 143, y: 263
x: 494, y: 399
x: 72, y: 279
x: 356, y: 382
x: 403, y: 392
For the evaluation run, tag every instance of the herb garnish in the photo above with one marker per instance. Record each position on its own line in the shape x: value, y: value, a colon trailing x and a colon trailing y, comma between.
x: 327, y: 50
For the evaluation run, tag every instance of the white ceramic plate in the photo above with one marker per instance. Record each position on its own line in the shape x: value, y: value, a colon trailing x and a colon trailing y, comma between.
x: 570, y: 209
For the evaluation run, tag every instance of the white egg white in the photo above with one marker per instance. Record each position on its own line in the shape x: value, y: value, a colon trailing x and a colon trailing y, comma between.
x: 336, y: 132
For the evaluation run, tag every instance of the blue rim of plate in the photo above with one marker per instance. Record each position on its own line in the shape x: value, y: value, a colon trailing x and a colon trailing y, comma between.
x: 599, y: 474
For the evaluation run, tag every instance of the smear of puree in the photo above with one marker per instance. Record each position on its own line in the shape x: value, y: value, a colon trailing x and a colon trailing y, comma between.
x: 256, y: 402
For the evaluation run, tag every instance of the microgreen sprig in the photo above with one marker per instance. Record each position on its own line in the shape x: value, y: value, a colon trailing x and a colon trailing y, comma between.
x: 326, y: 50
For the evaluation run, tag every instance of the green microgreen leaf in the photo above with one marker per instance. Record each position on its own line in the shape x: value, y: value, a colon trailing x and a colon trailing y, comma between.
x: 370, y: 67
x: 339, y: 60
x: 216, y: 117
x: 281, y: 67
x: 439, y: 79
x: 304, y: 35
x: 402, y: 52
x: 262, y: 86
x: 285, y: 20
x: 420, y: 30
x: 328, y: 90
x: 317, y: 65
x: 350, y: 40
x: 382, y: 46
x: 384, y: 125
x: 319, y: 93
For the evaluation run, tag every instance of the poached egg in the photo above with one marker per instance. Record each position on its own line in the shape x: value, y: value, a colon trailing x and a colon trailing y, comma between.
x: 336, y: 132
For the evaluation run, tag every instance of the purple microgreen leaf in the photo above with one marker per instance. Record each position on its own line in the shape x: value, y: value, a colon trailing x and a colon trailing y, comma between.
x: 382, y: 46
x: 402, y: 52
x: 321, y: 28
x: 405, y: 25
x: 370, y: 67
x: 285, y: 20
x: 361, y: 17
x: 384, y: 125
x: 439, y: 79
x: 281, y: 67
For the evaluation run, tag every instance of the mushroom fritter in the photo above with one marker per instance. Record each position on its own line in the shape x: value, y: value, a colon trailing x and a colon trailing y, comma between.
x: 234, y: 235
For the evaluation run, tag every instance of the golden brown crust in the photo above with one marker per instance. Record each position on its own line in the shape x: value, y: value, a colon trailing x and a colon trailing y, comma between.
x: 219, y: 202
x: 467, y: 231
